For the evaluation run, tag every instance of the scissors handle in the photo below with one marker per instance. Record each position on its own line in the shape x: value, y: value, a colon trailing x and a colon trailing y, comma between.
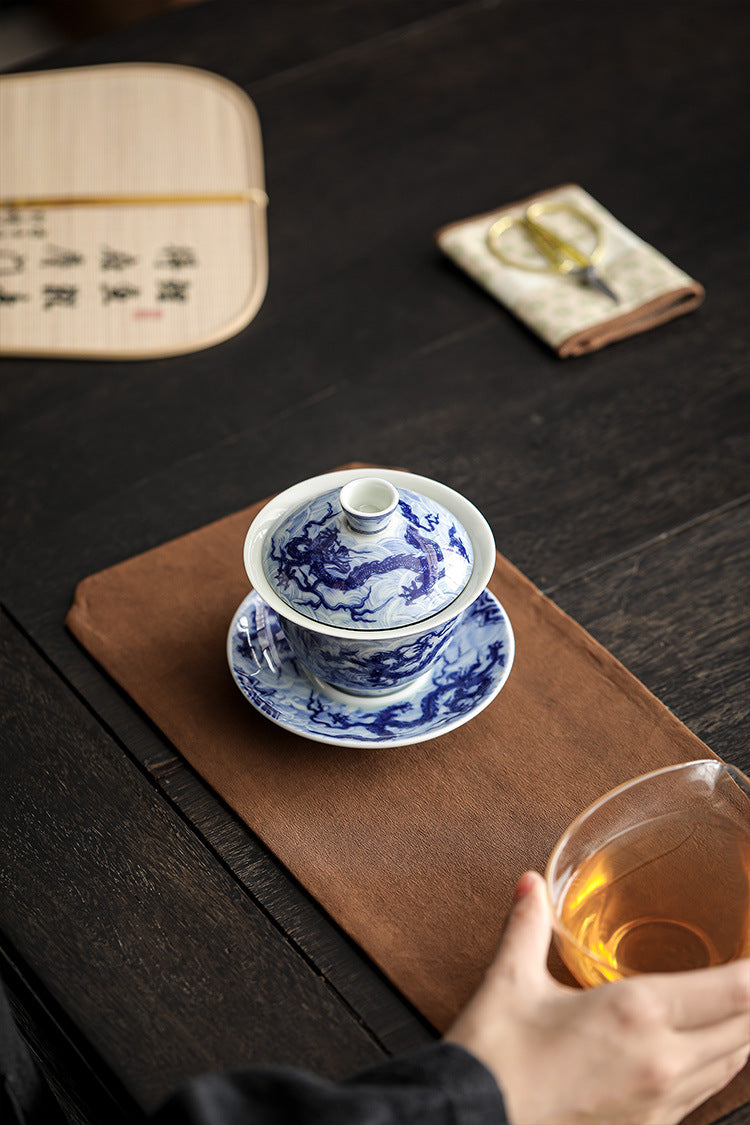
x: 561, y: 256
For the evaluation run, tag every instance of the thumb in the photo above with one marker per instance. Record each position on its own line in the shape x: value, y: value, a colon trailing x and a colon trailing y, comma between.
x: 525, y: 943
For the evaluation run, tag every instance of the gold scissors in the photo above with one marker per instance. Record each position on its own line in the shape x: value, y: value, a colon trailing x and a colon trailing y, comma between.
x: 561, y: 257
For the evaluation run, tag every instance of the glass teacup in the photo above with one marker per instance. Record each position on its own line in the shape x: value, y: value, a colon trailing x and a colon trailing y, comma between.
x: 655, y: 876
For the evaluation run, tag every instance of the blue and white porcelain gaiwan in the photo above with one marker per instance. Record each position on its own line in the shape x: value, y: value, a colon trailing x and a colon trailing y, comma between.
x: 369, y: 574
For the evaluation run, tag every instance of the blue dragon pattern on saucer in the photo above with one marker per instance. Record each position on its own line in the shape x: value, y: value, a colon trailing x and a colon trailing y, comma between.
x: 460, y: 683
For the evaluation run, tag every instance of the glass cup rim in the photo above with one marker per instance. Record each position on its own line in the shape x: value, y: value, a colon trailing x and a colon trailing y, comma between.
x: 717, y: 764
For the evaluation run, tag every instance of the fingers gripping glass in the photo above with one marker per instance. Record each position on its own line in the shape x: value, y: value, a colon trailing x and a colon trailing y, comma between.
x: 541, y: 250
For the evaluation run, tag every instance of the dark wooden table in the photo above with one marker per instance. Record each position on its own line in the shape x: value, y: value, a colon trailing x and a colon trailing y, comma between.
x: 617, y: 482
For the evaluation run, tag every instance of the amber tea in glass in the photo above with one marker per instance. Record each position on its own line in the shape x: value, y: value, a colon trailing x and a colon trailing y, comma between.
x: 655, y: 876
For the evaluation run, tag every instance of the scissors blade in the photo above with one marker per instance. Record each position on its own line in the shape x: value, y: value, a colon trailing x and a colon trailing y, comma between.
x: 588, y: 276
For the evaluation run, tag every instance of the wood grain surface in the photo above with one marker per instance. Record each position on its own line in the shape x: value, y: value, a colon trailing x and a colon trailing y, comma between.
x: 133, y: 898
x: 617, y: 482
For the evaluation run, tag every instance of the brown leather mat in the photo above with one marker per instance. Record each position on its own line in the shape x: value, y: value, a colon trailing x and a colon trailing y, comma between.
x: 413, y: 850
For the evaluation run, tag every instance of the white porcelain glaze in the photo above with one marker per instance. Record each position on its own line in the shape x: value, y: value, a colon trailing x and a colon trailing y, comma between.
x: 459, y: 684
x: 369, y: 661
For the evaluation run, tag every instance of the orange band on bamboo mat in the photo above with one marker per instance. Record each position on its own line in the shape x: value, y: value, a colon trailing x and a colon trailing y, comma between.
x: 252, y: 195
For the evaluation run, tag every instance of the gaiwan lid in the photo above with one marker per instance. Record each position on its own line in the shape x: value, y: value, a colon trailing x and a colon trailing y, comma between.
x: 368, y: 556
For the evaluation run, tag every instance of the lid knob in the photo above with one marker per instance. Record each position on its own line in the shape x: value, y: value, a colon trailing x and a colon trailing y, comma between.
x: 368, y: 503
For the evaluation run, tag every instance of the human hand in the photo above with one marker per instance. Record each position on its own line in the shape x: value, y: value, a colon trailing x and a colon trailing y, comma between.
x: 641, y: 1051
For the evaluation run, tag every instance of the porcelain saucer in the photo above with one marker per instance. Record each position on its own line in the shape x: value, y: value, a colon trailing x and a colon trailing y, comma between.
x: 462, y: 682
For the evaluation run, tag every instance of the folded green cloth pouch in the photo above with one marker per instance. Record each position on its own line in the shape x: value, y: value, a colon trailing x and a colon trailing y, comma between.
x: 571, y: 317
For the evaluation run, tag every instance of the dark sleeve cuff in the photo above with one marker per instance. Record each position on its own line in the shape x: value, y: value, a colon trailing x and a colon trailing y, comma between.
x: 441, y: 1084
x: 466, y: 1091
